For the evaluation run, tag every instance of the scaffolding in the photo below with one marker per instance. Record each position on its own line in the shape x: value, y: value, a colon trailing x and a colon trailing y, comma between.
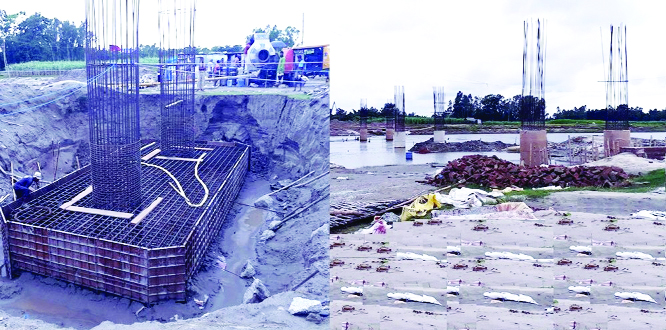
x: 178, y: 70
x: 533, y: 102
x: 112, y: 55
x: 147, y: 254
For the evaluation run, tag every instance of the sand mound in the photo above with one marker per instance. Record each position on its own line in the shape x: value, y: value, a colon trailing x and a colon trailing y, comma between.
x: 630, y: 163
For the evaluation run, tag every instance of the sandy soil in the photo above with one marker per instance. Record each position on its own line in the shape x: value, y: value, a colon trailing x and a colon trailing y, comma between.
x: 378, y: 183
x: 544, y: 281
x: 630, y: 163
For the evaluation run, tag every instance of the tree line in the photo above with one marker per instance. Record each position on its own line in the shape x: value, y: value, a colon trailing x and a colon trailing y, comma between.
x: 495, y: 107
x: 37, y: 38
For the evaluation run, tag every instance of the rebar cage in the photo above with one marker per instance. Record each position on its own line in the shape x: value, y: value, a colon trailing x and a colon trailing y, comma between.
x: 617, y: 85
x: 178, y: 71
x: 112, y: 57
x: 148, y: 261
x: 533, y: 102
x: 389, y: 120
x: 399, y: 101
x: 363, y: 113
x: 439, y: 116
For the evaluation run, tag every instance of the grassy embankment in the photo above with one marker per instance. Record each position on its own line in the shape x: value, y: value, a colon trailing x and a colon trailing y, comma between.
x: 64, y: 65
x: 641, y: 184
x: 516, y: 124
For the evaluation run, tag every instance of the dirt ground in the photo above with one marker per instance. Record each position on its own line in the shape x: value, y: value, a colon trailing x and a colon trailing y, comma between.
x: 543, y: 279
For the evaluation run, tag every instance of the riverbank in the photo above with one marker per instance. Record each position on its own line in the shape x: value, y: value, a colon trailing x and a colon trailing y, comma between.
x: 351, y: 128
x: 373, y: 184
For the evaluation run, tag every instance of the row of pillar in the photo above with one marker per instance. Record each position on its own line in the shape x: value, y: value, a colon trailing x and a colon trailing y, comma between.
x: 533, y: 144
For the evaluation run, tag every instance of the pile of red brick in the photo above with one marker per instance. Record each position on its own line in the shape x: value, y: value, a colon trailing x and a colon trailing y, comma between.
x: 497, y: 173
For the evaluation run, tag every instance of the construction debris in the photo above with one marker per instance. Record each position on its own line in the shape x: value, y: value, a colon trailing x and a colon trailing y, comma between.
x: 497, y: 173
x: 302, y: 306
x: 466, y: 146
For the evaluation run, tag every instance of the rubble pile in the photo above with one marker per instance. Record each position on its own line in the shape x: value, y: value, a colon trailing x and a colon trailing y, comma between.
x: 473, y: 146
x: 497, y: 173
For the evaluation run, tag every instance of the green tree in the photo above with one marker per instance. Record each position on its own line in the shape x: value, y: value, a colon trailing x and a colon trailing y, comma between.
x: 288, y: 35
x: 33, y: 40
x: 491, y: 107
x: 7, y: 29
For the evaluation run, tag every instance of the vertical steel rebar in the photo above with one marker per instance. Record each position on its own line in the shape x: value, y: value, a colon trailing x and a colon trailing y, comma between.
x: 112, y: 58
x: 363, y: 113
x: 617, y: 98
x: 399, y: 101
x: 439, y: 116
x: 533, y: 102
x: 178, y: 71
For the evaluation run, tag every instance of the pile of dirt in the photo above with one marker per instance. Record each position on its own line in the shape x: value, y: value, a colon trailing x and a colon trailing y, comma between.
x: 468, y: 146
x: 497, y: 173
x: 630, y: 163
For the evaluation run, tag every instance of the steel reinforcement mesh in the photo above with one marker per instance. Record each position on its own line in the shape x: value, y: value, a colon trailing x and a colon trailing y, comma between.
x: 617, y: 85
x: 400, y: 114
x: 390, y: 120
x: 112, y: 69
x: 439, y: 115
x: 617, y: 118
x: 147, y: 262
x: 533, y: 102
x: 178, y: 70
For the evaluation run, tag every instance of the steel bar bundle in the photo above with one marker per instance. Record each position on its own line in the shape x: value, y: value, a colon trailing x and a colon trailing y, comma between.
x: 363, y: 113
x: 399, y: 101
x: 440, y: 108
x: 617, y: 85
x: 178, y: 70
x: 112, y: 56
x: 533, y: 102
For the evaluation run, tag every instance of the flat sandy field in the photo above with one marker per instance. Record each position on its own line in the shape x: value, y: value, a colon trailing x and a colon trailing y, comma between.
x: 602, y: 222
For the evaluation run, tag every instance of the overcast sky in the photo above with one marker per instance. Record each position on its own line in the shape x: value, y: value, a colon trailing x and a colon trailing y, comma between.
x: 471, y: 46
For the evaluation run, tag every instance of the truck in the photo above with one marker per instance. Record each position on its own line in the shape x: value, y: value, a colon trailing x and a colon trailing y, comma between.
x: 317, y: 60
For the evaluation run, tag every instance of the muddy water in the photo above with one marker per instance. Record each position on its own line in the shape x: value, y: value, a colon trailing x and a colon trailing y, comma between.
x: 238, y: 242
x: 349, y: 153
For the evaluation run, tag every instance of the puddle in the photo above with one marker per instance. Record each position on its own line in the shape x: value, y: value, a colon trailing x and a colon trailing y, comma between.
x: 238, y: 242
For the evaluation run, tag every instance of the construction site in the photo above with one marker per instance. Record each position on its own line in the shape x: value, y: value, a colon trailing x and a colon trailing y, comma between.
x: 489, y: 240
x: 160, y: 207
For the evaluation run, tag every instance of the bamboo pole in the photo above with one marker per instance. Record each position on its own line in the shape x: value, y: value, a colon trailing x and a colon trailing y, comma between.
x: 12, y: 180
x: 56, y: 163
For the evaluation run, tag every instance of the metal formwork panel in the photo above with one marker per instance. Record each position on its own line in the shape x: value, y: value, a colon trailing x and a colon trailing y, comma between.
x: 147, y: 262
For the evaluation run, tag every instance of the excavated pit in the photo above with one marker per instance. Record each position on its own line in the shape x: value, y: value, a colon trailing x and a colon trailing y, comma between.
x: 288, y: 138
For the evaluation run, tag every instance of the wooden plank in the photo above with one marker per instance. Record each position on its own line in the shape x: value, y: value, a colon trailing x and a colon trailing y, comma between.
x: 77, y: 198
x: 147, y: 145
x: 147, y: 210
x: 179, y: 158
x: 221, y: 144
x: 173, y: 104
x: 100, y: 212
x: 151, y: 155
